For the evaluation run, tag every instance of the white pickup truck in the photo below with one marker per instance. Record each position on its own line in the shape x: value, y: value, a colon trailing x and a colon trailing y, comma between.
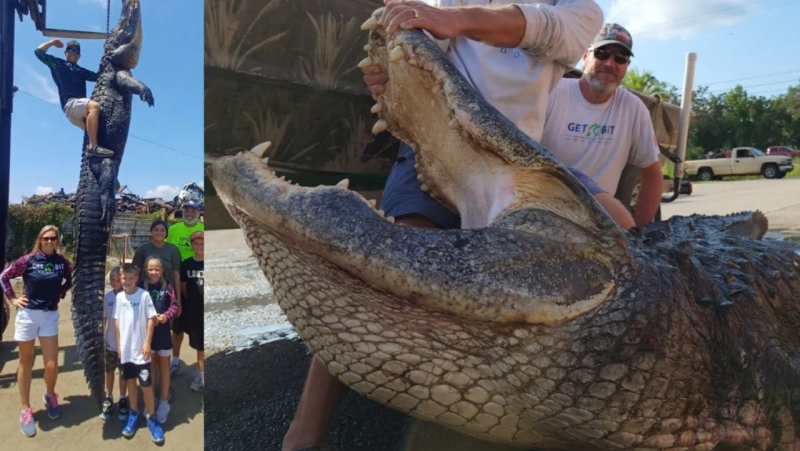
x: 741, y: 161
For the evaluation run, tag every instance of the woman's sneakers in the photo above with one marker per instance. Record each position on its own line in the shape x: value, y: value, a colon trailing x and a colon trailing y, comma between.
x: 28, y: 425
x: 51, y: 404
x: 156, y: 431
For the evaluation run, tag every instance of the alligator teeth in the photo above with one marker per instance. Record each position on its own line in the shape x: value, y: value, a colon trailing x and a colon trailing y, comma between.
x: 453, y: 123
x: 390, y: 219
x: 372, y: 203
x: 265, y: 160
x: 366, y: 62
x: 344, y: 184
x: 397, y: 54
x: 283, y: 177
x: 368, y: 47
x: 419, y: 177
x: 370, y: 24
x: 381, y: 213
x: 377, y: 108
x: 412, y: 62
x: 424, y: 188
x: 379, y: 126
x: 239, y: 154
x: 261, y: 148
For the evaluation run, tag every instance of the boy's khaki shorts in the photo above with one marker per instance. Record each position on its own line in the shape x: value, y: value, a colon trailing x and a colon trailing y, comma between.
x: 112, y: 361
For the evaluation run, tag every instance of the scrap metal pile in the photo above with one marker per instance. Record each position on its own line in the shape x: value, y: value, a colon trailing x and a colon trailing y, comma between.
x: 125, y: 202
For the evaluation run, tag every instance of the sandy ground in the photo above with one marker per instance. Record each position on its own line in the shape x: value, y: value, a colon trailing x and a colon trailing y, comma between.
x: 267, y: 376
x: 80, y: 427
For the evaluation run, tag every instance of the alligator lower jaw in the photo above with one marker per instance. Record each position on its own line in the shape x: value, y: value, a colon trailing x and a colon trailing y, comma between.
x: 518, y: 276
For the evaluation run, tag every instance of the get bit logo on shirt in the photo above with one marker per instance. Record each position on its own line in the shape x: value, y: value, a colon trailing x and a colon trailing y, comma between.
x: 591, y: 132
x: 48, y: 268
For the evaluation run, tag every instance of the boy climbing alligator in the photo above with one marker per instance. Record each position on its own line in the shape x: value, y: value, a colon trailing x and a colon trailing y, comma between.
x: 71, y: 82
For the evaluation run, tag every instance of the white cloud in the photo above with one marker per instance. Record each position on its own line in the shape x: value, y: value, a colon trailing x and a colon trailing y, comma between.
x: 41, y: 190
x: 664, y: 19
x: 165, y: 192
x: 40, y: 86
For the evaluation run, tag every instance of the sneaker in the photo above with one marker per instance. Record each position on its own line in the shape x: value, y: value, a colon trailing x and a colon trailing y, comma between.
x: 130, y: 426
x: 175, y: 369
x: 51, y: 404
x: 197, y: 384
x: 162, y: 410
x: 97, y: 151
x: 122, y: 408
x: 28, y: 425
x: 108, y: 408
x: 156, y: 432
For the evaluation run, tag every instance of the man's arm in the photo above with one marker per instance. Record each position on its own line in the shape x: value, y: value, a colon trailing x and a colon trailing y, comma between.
x: 559, y: 32
x: 649, y: 194
x: 502, y: 26
x: 49, y: 60
x: 89, y: 75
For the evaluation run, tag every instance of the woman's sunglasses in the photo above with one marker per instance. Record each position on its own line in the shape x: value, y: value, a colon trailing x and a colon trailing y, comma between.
x: 604, y: 54
x: 48, y: 239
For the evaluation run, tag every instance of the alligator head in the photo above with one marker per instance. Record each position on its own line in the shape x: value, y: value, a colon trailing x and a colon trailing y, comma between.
x: 124, y: 45
x: 543, y: 324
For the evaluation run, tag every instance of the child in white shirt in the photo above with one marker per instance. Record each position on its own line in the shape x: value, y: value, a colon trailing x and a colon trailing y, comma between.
x: 134, y: 315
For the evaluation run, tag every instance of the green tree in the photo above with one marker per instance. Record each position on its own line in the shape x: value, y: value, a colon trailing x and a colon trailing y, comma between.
x: 645, y: 82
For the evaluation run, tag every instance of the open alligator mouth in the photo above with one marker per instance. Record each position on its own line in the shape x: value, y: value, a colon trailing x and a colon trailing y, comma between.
x: 536, y: 325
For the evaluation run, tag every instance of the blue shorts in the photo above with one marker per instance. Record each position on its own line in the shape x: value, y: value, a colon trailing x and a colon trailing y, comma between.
x: 402, y: 195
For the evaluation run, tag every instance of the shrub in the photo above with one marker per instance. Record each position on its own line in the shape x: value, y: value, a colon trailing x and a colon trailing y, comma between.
x: 25, y: 222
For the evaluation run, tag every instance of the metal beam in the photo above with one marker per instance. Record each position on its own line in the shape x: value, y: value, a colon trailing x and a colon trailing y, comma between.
x: 73, y: 34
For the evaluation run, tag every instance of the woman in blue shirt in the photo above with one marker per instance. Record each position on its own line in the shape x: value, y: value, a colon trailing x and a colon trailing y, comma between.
x: 47, y: 277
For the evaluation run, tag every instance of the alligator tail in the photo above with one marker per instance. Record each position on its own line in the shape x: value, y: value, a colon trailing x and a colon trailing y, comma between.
x: 91, y: 244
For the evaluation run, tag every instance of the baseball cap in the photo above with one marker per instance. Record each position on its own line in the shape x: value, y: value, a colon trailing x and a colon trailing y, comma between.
x: 73, y: 43
x: 191, y: 203
x: 613, y: 33
x: 196, y: 234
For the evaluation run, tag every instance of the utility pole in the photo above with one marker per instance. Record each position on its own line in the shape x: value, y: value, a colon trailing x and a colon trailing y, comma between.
x: 8, y: 8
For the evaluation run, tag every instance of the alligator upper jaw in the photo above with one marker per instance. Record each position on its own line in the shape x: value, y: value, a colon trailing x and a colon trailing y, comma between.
x: 469, y: 156
x: 507, y: 273
x: 126, y: 37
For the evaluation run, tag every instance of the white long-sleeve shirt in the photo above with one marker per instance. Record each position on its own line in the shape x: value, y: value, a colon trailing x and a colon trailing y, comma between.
x: 517, y: 81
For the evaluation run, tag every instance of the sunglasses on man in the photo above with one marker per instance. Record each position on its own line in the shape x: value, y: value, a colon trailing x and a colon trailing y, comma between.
x: 74, y: 51
x: 604, y: 54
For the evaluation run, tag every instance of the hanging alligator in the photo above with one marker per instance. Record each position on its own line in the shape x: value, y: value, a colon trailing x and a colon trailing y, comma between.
x: 542, y: 324
x: 94, y: 205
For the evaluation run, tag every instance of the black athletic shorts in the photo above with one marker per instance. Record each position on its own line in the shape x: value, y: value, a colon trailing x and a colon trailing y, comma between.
x: 132, y: 370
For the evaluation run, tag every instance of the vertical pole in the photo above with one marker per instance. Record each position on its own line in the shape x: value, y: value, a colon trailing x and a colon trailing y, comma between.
x: 7, y: 12
x: 686, y: 110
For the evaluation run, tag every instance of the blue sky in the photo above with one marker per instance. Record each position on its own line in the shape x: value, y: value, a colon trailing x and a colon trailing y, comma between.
x: 46, y: 148
x: 751, y: 41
